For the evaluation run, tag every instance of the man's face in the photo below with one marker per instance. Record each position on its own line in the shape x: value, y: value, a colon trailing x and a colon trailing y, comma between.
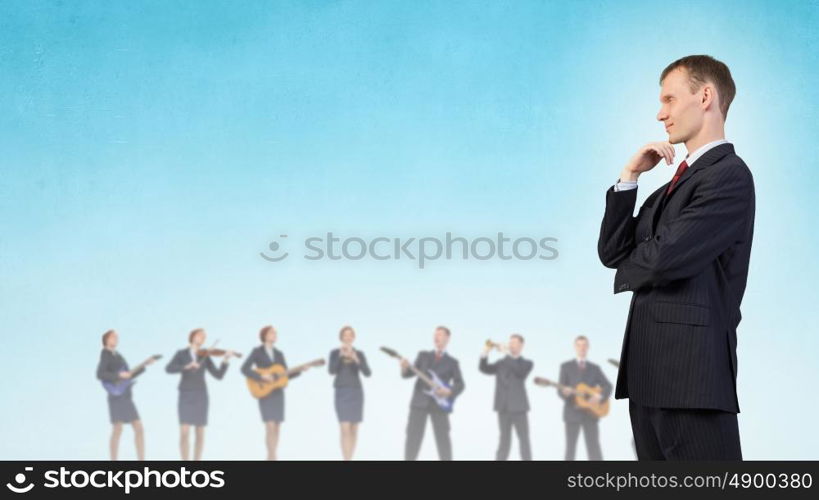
x: 680, y: 111
x: 515, y: 346
x: 112, y: 340
x: 441, y: 339
x: 581, y: 347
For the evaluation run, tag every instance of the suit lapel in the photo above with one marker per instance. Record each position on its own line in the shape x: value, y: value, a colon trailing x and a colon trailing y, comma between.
x: 710, y: 157
x: 658, y: 209
x: 273, y: 359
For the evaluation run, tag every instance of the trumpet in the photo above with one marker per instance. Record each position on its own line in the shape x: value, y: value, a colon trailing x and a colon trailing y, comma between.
x: 346, y: 355
x: 495, y: 345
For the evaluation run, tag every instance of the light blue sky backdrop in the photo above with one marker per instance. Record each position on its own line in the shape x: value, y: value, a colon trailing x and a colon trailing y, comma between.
x: 150, y: 150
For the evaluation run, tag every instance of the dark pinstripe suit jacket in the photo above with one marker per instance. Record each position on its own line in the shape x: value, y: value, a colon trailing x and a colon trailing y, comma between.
x: 571, y: 375
x: 448, y: 369
x: 510, y: 377
x: 685, y: 257
x: 194, y: 379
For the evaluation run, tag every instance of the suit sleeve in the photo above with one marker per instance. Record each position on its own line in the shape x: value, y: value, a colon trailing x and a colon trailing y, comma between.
x: 409, y: 373
x: 486, y: 367
x: 176, y: 365
x: 218, y: 373
x: 363, y: 366
x: 682, y: 247
x: 458, y: 384
x: 563, y: 380
x: 335, y: 361
x: 104, y: 370
x: 616, y: 239
x: 247, y: 367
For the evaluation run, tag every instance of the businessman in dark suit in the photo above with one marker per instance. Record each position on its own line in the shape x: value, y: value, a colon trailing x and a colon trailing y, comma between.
x: 511, y: 401
x: 572, y: 373
x: 423, y: 406
x: 685, y: 258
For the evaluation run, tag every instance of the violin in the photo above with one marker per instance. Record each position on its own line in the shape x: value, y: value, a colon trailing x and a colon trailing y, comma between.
x: 215, y: 352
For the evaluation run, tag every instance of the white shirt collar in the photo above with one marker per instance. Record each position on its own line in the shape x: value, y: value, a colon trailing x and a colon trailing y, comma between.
x: 690, y: 158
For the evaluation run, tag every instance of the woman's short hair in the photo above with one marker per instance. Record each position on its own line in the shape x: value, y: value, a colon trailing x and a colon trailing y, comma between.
x: 344, y: 329
x: 264, y: 331
x: 193, y: 333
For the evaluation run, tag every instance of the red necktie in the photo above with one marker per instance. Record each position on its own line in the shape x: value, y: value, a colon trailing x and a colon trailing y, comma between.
x: 677, y: 176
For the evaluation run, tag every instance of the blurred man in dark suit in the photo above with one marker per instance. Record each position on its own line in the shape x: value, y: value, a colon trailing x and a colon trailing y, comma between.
x: 423, y: 406
x: 572, y: 373
x: 511, y: 401
x: 685, y: 257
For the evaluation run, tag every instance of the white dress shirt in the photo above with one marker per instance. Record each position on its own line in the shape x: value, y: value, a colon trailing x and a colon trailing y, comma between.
x: 270, y: 352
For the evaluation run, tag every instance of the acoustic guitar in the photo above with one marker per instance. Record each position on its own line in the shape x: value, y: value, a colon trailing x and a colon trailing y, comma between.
x: 432, y: 380
x: 582, y: 396
x: 281, y: 376
x: 119, y: 387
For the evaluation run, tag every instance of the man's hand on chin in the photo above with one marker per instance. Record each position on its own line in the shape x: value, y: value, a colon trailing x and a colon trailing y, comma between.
x: 646, y: 158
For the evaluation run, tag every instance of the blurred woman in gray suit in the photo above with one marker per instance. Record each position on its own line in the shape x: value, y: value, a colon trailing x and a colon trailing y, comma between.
x: 113, y: 369
x: 271, y: 407
x: 346, y: 363
x: 192, y: 362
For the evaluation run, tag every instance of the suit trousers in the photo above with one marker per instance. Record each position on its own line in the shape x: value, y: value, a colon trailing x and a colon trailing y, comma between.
x: 591, y: 436
x: 415, y: 432
x: 520, y: 421
x: 684, y: 434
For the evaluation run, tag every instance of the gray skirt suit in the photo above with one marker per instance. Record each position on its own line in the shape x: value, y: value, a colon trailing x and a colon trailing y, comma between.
x: 121, y: 409
x: 193, y: 392
x: 349, y: 394
x: 271, y: 407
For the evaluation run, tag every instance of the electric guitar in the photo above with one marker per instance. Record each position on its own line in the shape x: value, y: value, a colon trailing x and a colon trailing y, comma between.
x: 432, y: 380
x: 281, y: 376
x: 119, y: 387
x: 614, y: 362
x: 582, y: 396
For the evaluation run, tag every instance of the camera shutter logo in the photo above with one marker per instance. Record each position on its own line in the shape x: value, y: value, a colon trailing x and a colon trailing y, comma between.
x: 20, y: 478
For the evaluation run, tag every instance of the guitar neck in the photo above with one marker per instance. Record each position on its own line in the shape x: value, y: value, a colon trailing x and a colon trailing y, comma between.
x: 142, y: 365
x: 423, y: 376
x: 298, y: 368
x: 559, y: 386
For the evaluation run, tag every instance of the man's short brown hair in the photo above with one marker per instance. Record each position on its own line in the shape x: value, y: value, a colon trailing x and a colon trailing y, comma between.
x: 105, y: 337
x: 702, y: 69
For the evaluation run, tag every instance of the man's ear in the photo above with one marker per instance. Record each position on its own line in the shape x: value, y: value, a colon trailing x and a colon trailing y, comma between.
x: 708, y: 95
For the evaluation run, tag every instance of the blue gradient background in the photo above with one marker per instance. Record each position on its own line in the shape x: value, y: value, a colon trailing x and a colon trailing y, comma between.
x: 151, y: 150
